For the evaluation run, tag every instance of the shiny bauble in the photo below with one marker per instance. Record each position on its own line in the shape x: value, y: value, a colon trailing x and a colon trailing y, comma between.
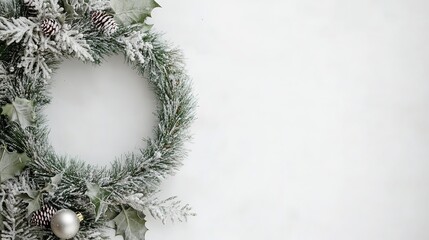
x: 65, y: 224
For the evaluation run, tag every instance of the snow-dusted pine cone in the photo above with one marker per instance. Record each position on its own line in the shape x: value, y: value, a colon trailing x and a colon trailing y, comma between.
x: 104, y: 22
x: 31, y: 7
x: 50, y: 27
x: 42, y: 217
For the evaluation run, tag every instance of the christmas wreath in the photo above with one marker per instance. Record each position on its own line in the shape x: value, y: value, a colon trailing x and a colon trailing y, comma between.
x: 47, y: 196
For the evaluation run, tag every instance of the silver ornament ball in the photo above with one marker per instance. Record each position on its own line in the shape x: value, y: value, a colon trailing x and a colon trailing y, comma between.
x: 65, y: 224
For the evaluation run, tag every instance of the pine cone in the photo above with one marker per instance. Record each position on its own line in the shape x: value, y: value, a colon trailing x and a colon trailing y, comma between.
x: 50, y: 27
x: 104, y: 22
x: 42, y: 217
x: 31, y: 8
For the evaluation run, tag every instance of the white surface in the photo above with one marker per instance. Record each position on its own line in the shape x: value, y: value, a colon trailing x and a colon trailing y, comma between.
x: 98, y: 113
x: 313, y: 120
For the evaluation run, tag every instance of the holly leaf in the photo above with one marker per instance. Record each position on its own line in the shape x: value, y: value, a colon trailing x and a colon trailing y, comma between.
x: 130, y: 224
x: 146, y: 27
x: 98, y: 197
x: 21, y: 111
x: 33, y: 198
x: 110, y: 215
x: 55, y: 181
x: 69, y: 8
x: 11, y: 164
x: 129, y: 12
x: 34, y: 204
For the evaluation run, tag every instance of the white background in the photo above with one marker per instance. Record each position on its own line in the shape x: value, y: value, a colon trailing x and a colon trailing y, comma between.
x: 313, y: 118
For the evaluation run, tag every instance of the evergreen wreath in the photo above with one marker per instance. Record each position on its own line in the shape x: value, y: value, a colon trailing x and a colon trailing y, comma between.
x: 39, y: 187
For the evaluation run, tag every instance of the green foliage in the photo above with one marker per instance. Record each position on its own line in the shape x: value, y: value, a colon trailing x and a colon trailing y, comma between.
x: 34, y: 197
x: 15, y: 224
x: 16, y: 29
x: 11, y: 164
x: 130, y: 224
x: 8, y: 8
x: 128, y: 12
x: 53, y: 185
x: 21, y: 111
x: 169, y: 209
x: 98, y: 197
x: 68, y: 7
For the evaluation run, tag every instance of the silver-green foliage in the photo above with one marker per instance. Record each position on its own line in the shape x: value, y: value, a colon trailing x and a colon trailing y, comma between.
x: 129, y: 186
x: 11, y: 164
x: 20, y: 110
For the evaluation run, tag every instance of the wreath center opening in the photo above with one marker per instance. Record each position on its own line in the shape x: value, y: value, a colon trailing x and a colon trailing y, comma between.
x: 99, y: 112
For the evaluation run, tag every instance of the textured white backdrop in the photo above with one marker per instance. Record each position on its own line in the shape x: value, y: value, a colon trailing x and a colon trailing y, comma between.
x: 313, y: 118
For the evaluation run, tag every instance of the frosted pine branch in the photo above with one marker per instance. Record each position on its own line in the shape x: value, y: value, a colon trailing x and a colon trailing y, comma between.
x: 8, y: 8
x: 3, y: 80
x: 73, y: 43
x: 13, y: 211
x: 134, y: 45
x: 82, y: 6
x: 36, y: 66
x: 50, y: 9
x: 16, y: 29
x: 3, y: 73
x: 99, y: 5
x: 169, y: 209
